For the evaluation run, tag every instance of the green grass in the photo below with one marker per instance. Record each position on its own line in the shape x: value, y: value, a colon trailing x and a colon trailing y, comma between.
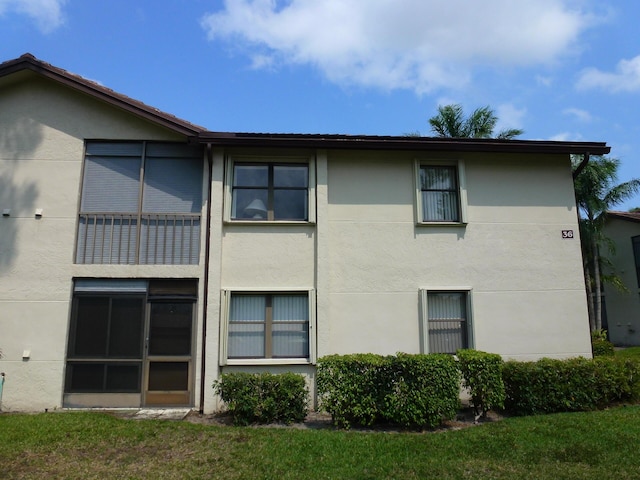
x: 594, y: 445
x: 631, y: 352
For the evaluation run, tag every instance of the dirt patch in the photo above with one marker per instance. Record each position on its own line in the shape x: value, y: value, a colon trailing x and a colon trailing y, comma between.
x: 320, y: 420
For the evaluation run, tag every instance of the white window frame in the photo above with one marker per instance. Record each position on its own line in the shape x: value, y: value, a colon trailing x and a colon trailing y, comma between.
x: 269, y: 159
x: 424, y: 314
x: 225, y: 305
x: 462, y: 190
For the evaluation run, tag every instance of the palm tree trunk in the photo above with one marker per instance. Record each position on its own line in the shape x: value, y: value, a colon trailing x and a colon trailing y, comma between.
x: 598, y: 284
x: 589, y: 286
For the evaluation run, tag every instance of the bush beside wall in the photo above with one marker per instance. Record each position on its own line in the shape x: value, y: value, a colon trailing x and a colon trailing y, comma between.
x: 576, y: 384
x: 482, y: 376
x: 263, y: 398
x: 408, y: 390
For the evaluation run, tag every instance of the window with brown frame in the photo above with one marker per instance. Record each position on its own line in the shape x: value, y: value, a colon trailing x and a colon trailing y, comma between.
x: 270, y: 191
x: 269, y: 325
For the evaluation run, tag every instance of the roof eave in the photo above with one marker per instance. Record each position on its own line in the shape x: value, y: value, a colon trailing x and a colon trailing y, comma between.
x: 30, y: 63
x: 368, y: 142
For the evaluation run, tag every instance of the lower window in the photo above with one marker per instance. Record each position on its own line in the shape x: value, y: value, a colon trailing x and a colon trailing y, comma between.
x: 268, y: 325
x: 446, y: 321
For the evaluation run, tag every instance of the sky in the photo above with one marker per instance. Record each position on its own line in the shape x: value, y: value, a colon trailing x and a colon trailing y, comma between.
x: 558, y: 69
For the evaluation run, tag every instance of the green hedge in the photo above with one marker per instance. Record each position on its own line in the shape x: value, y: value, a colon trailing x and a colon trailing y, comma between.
x: 482, y: 375
x: 263, y: 398
x: 408, y: 390
x: 576, y: 384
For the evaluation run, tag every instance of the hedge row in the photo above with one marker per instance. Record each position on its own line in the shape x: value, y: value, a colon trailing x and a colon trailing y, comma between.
x: 423, y: 390
x: 263, y: 398
x: 407, y: 390
x: 576, y: 384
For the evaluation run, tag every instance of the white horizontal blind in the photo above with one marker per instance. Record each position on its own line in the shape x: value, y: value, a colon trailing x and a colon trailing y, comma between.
x: 114, y: 228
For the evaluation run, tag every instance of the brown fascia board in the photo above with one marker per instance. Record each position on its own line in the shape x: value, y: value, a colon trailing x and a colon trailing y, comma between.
x: 373, y: 142
x: 625, y: 216
x: 76, y: 82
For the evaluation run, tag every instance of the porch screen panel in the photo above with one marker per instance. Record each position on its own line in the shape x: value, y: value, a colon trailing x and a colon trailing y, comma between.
x: 290, y: 330
x: 171, y: 205
x: 447, y: 322
x: 107, y: 225
x: 247, y: 322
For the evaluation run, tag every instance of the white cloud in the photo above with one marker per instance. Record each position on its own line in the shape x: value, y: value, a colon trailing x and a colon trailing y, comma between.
x: 509, y: 116
x: 415, y: 44
x: 567, y: 137
x: 543, y: 80
x: 581, y: 115
x: 46, y: 13
x: 626, y: 77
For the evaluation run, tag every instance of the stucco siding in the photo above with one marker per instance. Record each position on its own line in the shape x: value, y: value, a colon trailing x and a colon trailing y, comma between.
x: 43, y: 127
x: 528, y: 289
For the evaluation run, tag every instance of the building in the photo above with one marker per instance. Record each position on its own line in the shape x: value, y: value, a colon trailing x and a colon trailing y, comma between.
x: 141, y: 255
x: 623, y: 307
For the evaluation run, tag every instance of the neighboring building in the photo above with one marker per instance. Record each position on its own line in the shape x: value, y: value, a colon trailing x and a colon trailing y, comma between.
x: 141, y: 256
x: 623, y: 307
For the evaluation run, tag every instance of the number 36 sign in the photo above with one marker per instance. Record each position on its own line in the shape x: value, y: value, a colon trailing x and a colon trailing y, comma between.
x: 567, y: 233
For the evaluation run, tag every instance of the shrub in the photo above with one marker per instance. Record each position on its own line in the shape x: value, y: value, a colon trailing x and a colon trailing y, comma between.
x: 600, y: 345
x: 408, y: 390
x: 602, y: 348
x: 425, y: 390
x: 576, y: 384
x: 482, y: 375
x: 352, y: 387
x: 263, y: 398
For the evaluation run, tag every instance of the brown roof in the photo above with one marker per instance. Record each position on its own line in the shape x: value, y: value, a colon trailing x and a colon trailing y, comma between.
x: 372, y: 142
x: 401, y: 143
x: 627, y: 216
x: 31, y: 63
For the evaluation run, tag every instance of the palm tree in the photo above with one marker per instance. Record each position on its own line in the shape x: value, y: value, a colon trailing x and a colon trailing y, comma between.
x: 450, y: 122
x: 596, y: 192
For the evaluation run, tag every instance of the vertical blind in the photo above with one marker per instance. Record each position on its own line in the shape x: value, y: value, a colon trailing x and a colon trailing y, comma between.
x: 439, y: 194
x: 447, y: 313
x: 268, y: 326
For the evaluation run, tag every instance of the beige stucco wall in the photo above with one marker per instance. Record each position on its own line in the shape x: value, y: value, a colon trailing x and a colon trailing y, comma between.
x: 526, y: 281
x: 623, y: 308
x: 364, y: 257
x: 371, y: 259
x: 42, y: 131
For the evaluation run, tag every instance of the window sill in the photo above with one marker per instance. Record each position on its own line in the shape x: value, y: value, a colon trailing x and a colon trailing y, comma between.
x: 269, y: 222
x: 441, y: 224
x: 267, y: 361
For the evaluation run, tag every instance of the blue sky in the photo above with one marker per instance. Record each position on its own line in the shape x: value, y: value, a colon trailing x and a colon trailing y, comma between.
x: 559, y: 69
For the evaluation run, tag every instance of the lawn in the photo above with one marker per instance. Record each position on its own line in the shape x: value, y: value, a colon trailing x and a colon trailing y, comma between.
x: 629, y: 352
x: 595, y: 445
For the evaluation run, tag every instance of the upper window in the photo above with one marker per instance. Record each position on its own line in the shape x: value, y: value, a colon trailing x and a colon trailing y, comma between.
x: 270, y: 191
x: 267, y: 326
x: 141, y: 204
x: 446, y: 321
x: 441, y: 193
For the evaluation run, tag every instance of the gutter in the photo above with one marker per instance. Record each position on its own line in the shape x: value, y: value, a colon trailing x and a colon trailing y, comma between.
x: 580, y: 167
x: 205, y: 294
